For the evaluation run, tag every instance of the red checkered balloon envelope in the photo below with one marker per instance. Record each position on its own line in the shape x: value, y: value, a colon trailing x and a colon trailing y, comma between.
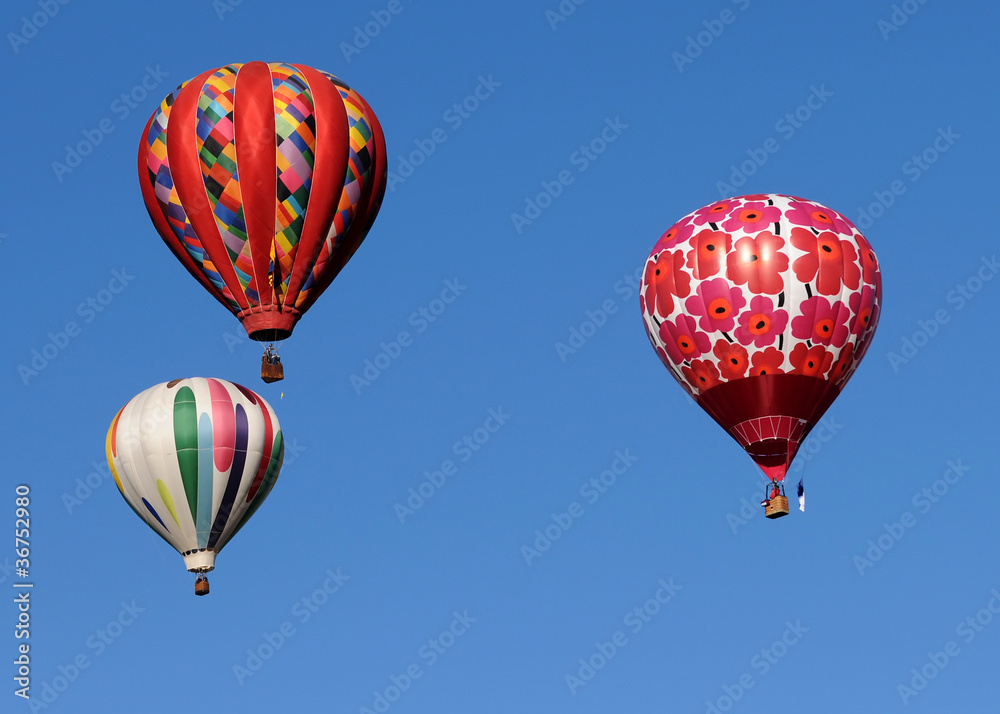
x: 762, y: 307
x: 263, y: 179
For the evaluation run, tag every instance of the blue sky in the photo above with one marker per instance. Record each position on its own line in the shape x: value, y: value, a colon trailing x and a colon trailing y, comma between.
x: 444, y: 606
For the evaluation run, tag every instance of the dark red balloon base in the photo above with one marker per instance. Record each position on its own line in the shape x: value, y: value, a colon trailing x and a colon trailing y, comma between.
x: 770, y: 415
x: 269, y: 323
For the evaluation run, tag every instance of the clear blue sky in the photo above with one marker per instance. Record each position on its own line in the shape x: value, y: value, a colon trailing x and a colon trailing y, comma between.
x: 852, y: 633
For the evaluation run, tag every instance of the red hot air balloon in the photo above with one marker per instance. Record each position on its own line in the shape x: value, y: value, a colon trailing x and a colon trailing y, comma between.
x: 762, y: 307
x: 263, y: 179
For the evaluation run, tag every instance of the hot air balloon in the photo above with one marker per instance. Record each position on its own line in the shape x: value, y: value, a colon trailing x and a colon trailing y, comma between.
x: 195, y: 458
x: 263, y: 179
x: 762, y: 307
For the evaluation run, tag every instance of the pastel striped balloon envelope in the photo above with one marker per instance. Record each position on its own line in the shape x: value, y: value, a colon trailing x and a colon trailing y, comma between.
x: 195, y: 458
x: 263, y: 179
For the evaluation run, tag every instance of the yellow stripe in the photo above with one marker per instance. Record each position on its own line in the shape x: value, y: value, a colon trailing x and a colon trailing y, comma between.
x: 107, y: 451
x: 167, y: 499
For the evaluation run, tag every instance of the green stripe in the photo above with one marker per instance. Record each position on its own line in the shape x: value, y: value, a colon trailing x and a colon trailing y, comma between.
x: 186, y: 442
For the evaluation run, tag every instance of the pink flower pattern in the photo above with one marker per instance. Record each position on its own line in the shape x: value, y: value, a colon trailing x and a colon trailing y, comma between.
x: 677, y: 233
x: 716, y: 304
x: 810, y: 307
x: 822, y: 322
x: 681, y: 339
x: 812, y: 215
x: 751, y: 217
x: 761, y: 324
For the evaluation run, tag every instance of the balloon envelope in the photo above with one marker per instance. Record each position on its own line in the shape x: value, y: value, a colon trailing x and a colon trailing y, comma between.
x: 195, y: 458
x: 762, y: 307
x: 263, y: 179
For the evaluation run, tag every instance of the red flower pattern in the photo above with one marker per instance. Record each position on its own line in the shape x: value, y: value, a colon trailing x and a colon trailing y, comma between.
x: 767, y: 362
x: 678, y: 233
x: 864, y: 308
x: 747, y: 297
x: 665, y: 277
x: 829, y: 259
x: 758, y: 263
x: 822, y: 322
x: 869, y: 266
x: 702, y: 374
x: 716, y: 304
x: 810, y: 361
x: 733, y: 359
x: 708, y: 249
x: 811, y: 215
x: 752, y: 217
x: 714, y: 213
x: 761, y: 324
x: 682, y: 340
x: 842, y: 367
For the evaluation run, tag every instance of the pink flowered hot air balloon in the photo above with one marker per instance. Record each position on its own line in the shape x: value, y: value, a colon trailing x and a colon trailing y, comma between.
x: 762, y: 307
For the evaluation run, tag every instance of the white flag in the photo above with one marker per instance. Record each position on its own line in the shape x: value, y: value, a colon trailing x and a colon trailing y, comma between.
x: 802, y: 496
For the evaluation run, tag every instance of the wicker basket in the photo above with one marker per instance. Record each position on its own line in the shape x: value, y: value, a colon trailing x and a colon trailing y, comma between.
x: 776, y: 507
x: 271, y: 372
x: 201, y: 587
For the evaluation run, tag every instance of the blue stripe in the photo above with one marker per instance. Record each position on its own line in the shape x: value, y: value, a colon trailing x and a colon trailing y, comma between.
x: 235, y: 476
x: 155, y: 515
x: 206, y: 474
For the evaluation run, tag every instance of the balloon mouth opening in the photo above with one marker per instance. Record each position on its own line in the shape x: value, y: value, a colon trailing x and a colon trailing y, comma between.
x: 769, y: 452
x: 199, y: 561
x: 772, y: 456
x: 270, y: 335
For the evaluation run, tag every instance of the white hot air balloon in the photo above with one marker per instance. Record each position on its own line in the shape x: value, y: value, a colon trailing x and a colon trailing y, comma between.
x: 195, y: 458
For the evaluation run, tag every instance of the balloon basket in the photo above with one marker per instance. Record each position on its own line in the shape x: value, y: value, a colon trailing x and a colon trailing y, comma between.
x: 776, y: 507
x: 201, y: 586
x: 271, y: 371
